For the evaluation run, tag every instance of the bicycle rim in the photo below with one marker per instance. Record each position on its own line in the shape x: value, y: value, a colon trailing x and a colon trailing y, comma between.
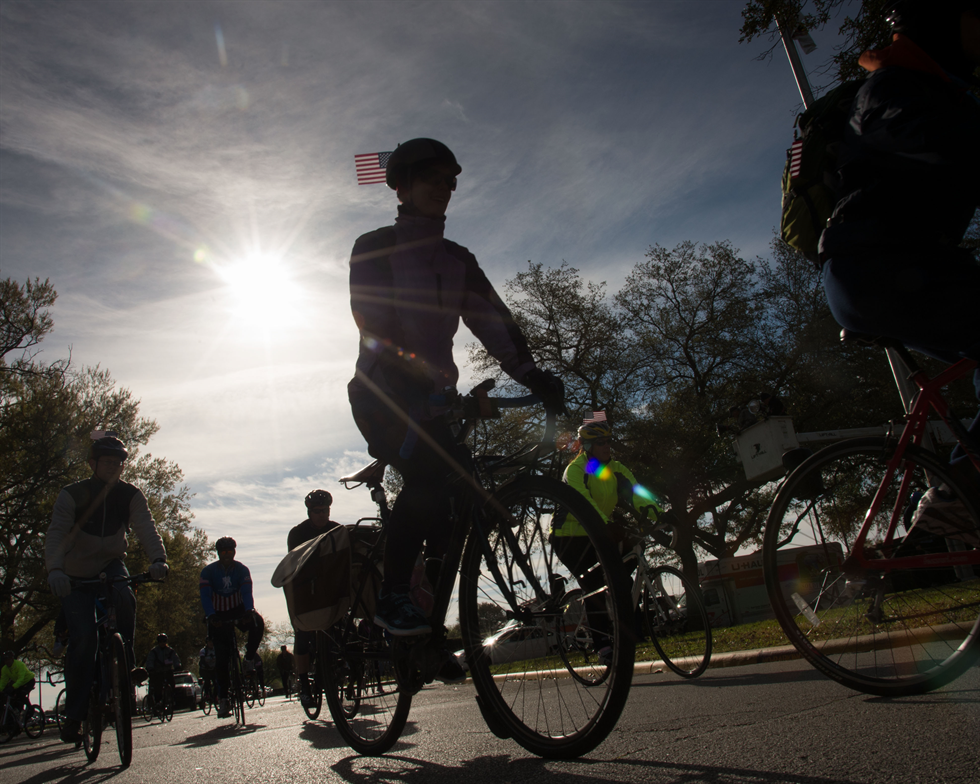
x: 92, y: 726
x: 238, y: 690
x: 677, y: 621
x: 168, y: 704
x: 122, y: 694
x: 527, y: 689
x: 367, y: 706
x: 59, y: 709
x: 313, y: 707
x: 250, y: 692
x: 34, y: 721
x: 260, y: 698
x: 885, y: 632
x: 207, y: 701
x: 575, y: 648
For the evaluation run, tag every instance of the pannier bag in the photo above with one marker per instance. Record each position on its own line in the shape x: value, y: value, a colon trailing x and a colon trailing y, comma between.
x: 316, y: 578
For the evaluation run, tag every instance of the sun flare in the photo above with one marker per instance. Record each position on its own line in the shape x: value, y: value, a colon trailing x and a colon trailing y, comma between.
x: 262, y: 292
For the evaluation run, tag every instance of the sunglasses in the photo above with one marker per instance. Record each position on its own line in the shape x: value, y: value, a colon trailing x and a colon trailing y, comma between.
x: 437, y: 178
x: 222, y: 552
x: 602, y: 442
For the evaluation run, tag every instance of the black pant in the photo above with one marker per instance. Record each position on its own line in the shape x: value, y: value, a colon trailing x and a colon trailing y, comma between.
x: 222, y: 634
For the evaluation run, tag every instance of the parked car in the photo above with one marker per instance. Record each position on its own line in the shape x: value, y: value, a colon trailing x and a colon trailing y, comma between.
x: 187, y: 691
x: 515, y: 642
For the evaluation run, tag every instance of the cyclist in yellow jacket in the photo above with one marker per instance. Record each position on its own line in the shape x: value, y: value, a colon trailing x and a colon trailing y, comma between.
x: 606, y: 483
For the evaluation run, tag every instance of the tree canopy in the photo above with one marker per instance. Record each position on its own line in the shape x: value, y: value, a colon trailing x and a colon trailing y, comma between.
x: 47, y: 412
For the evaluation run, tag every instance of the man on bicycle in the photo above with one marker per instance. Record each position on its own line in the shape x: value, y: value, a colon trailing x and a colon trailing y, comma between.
x: 206, y: 664
x: 161, y: 663
x: 410, y: 287
x: 87, y: 537
x: 16, y: 681
x: 285, y: 663
x: 910, y: 169
x: 317, y: 522
x: 607, y: 484
x: 226, y: 595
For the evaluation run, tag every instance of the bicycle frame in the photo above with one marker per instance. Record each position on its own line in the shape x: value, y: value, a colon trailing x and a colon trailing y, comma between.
x: 929, y: 398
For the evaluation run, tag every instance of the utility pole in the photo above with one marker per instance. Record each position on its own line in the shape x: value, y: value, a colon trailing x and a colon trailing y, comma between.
x: 789, y: 35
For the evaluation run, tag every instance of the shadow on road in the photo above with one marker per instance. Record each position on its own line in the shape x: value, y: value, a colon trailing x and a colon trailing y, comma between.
x: 218, y: 734
x: 712, y: 681
x: 366, y: 770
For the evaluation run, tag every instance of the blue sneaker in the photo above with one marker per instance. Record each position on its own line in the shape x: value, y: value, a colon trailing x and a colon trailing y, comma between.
x: 397, y: 614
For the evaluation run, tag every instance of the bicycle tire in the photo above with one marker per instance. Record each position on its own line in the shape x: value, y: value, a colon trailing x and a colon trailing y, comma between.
x: 238, y: 688
x: 368, y: 707
x: 250, y: 691
x: 122, y: 695
x: 168, y: 703
x: 91, y: 731
x: 207, y: 700
x: 260, y: 695
x: 315, y: 704
x: 33, y: 721
x: 59, y: 708
x: 576, y: 649
x: 683, y: 639
x: 891, y: 633
x: 549, y: 714
x: 8, y: 724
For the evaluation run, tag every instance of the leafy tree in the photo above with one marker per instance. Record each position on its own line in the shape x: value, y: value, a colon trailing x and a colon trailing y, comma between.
x: 46, y: 414
x: 863, y: 27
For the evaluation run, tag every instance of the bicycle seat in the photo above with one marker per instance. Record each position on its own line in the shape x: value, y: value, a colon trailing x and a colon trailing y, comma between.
x: 369, y: 474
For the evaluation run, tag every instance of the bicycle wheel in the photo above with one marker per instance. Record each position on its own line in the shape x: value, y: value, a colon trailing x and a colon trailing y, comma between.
x: 525, y: 690
x: 574, y: 643
x: 207, y: 700
x: 250, y: 691
x: 677, y: 621
x: 882, y: 631
x: 313, y: 706
x: 260, y: 694
x: 367, y: 705
x: 8, y: 724
x: 33, y: 721
x: 122, y: 695
x: 59, y: 709
x: 167, y: 709
x: 237, y: 689
x: 91, y: 731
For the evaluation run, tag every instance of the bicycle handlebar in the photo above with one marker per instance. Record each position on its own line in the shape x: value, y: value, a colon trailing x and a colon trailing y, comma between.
x: 131, y: 579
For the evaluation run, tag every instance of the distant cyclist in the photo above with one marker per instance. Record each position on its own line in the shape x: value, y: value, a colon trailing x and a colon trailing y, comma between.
x: 206, y: 663
x: 910, y: 167
x: 226, y: 595
x: 16, y: 681
x: 88, y: 536
x: 161, y: 663
x: 607, y: 484
x: 286, y: 664
x: 317, y: 522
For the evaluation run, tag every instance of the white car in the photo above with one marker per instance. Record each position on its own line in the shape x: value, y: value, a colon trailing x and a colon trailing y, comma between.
x: 187, y: 691
x: 515, y: 643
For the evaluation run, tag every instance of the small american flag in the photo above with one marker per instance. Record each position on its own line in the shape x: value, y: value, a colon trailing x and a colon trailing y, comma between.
x: 371, y: 167
x: 594, y: 416
x: 795, y: 158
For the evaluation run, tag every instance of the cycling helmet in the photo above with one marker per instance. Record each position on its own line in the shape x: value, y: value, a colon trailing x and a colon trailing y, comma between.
x: 161, y: 637
x: 107, y: 446
x: 225, y: 543
x: 593, y: 431
x: 417, y: 154
x: 934, y: 25
x: 318, y: 498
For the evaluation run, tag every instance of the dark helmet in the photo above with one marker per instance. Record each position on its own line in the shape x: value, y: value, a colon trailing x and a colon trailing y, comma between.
x: 417, y: 154
x: 161, y: 637
x: 225, y: 543
x: 318, y: 498
x: 8, y: 654
x: 934, y: 25
x: 107, y: 446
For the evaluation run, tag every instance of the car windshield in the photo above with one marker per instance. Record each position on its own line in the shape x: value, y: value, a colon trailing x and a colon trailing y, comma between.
x: 185, y: 677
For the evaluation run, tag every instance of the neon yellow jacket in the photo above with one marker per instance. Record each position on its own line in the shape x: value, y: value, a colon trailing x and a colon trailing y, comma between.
x: 15, y: 675
x: 603, y: 485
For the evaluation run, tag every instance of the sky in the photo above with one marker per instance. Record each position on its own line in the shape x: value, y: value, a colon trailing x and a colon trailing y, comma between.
x: 183, y: 173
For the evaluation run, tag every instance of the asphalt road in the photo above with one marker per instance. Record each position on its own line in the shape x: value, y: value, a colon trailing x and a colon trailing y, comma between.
x: 776, y: 722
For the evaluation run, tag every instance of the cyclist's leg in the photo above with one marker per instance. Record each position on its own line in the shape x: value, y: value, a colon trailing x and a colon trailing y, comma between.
x: 79, y: 607
x: 125, y: 603
x: 252, y: 626
x: 577, y: 553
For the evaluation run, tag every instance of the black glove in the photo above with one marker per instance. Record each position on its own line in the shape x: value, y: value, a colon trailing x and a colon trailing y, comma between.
x: 547, y: 386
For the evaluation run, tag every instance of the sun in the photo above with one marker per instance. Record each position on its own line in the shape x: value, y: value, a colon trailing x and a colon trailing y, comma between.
x: 262, y: 292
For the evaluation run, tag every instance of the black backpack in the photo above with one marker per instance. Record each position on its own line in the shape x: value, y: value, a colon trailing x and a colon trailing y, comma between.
x: 810, y: 179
